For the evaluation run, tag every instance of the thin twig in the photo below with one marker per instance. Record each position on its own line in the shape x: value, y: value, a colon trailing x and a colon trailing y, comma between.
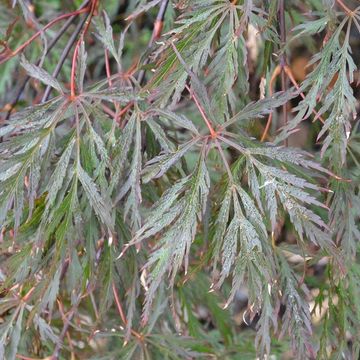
x: 121, y: 311
x: 159, y: 22
x: 64, y: 330
x: 61, y: 309
x: 53, y: 42
x: 68, y: 23
x: 158, y: 25
x: 37, y: 34
x: 118, y: 304
x: 290, y: 75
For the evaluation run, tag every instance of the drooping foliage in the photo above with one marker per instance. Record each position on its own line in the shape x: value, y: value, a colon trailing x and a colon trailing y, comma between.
x: 155, y: 199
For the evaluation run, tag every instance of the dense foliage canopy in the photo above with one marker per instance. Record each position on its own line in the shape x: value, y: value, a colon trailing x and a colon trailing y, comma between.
x: 179, y: 179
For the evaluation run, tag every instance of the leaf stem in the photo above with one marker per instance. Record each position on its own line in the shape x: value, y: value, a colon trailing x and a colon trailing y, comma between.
x: 73, y: 71
x: 226, y: 164
x: 93, y: 7
x: 23, y: 357
x: 115, y: 115
x: 283, y: 60
x: 64, y: 55
x: 202, y: 112
x: 77, y: 120
x: 294, y: 82
x: 274, y: 75
x: 107, y: 67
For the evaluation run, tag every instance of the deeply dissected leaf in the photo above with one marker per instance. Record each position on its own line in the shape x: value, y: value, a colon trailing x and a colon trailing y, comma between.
x: 180, y: 224
x: 95, y: 199
x: 40, y: 74
x: 105, y: 35
x: 119, y: 196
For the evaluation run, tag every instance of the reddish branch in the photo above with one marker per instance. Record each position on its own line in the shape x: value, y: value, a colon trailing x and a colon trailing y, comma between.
x: 344, y: 7
x: 118, y: 304
x: 290, y: 75
x: 53, y: 42
x: 121, y: 312
x: 23, y: 357
x: 10, y: 54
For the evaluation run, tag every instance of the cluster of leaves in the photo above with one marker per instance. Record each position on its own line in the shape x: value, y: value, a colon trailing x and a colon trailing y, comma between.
x: 138, y: 203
